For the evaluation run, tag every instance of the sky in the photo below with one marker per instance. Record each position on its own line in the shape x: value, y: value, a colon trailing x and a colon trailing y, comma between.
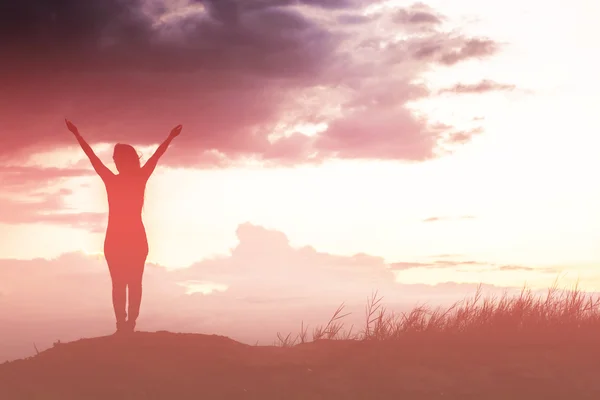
x: 329, y: 148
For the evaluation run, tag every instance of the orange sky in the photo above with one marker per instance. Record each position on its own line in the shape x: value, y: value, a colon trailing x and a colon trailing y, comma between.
x: 341, y: 153
x: 524, y: 180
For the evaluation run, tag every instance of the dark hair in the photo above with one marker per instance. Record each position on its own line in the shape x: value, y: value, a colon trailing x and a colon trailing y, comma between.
x: 126, y: 158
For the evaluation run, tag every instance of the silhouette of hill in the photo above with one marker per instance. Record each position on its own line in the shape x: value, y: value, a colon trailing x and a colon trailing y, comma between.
x: 164, y: 365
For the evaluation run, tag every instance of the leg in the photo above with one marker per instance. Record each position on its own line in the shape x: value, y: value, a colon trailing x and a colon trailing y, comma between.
x: 119, y: 284
x: 135, y: 298
x: 134, y: 284
x: 119, y: 293
x: 128, y: 266
x: 118, y: 298
x: 115, y: 263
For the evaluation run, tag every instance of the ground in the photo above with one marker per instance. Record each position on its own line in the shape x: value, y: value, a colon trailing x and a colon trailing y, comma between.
x: 163, y: 365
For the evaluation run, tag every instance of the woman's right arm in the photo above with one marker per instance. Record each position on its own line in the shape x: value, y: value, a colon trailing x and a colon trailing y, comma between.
x: 99, y: 167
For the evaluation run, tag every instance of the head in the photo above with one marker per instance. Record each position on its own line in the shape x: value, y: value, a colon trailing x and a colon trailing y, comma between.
x: 126, y: 158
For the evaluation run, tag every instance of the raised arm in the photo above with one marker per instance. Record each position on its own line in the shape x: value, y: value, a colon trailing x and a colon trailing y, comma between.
x: 99, y: 167
x: 150, y: 165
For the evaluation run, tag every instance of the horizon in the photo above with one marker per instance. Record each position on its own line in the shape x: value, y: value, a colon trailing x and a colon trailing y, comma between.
x: 329, y: 149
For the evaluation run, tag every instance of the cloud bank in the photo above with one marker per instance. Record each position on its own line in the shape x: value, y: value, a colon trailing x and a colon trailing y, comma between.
x: 242, y: 77
x: 264, y: 285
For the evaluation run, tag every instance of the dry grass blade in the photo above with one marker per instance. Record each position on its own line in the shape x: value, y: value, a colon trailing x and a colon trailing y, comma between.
x: 333, y: 328
x: 526, y: 315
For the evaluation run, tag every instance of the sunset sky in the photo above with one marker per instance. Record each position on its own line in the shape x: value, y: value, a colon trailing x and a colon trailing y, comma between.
x: 325, y: 144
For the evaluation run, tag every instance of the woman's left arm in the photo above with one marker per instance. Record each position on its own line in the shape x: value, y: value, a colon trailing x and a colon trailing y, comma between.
x: 150, y: 165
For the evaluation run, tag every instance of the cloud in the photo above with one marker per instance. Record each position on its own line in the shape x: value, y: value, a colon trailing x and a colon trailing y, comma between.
x: 263, y: 265
x: 472, y: 48
x: 418, y: 14
x: 399, y: 266
x: 37, y: 195
x: 93, y: 222
x: 48, y: 208
x: 447, y: 255
x: 439, y: 219
x: 264, y: 258
x: 402, y: 266
x: 459, y: 138
x: 263, y: 269
x: 515, y: 268
x: 353, y: 19
x: 547, y: 270
x: 451, y: 263
x: 264, y: 285
x: 470, y: 266
x: 481, y: 87
x: 24, y: 178
x: 240, y: 76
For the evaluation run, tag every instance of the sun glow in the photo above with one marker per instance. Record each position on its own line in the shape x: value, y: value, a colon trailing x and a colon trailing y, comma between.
x: 96, y: 255
x: 203, y: 287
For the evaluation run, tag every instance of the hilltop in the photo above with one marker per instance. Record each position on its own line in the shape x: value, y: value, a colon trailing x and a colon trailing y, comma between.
x: 524, y: 347
x: 164, y: 365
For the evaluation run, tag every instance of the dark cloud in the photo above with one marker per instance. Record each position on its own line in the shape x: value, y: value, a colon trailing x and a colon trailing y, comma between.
x: 232, y: 72
x: 353, y: 19
x: 450, y: 51
x: 472, y: 48
x: 327, y: 4
x: 480, y: 87
x: 418, y: 14
x: 260, y: 4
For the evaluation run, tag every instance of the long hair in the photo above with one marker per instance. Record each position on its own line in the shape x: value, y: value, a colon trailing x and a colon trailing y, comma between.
x: 126, y: 158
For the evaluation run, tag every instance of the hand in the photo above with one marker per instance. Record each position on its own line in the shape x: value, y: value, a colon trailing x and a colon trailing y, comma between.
x: 72, y: 127
x: 175, y: 131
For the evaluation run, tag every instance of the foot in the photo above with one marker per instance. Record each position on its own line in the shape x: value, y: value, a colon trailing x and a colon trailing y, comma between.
x: 121, y: 327
x: 130, y: 326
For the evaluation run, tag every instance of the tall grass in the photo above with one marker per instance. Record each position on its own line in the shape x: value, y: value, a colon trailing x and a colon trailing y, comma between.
x: 560, y: 314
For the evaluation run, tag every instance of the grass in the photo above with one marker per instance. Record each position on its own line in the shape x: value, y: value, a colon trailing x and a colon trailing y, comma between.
x: 560, y: 313
x: 526, y: 346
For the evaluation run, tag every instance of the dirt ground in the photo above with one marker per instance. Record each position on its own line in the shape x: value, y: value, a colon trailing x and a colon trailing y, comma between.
x: 165, y: 365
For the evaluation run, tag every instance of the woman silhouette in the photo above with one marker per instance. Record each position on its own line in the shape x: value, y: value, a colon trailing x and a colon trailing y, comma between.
x: 125, y: 244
